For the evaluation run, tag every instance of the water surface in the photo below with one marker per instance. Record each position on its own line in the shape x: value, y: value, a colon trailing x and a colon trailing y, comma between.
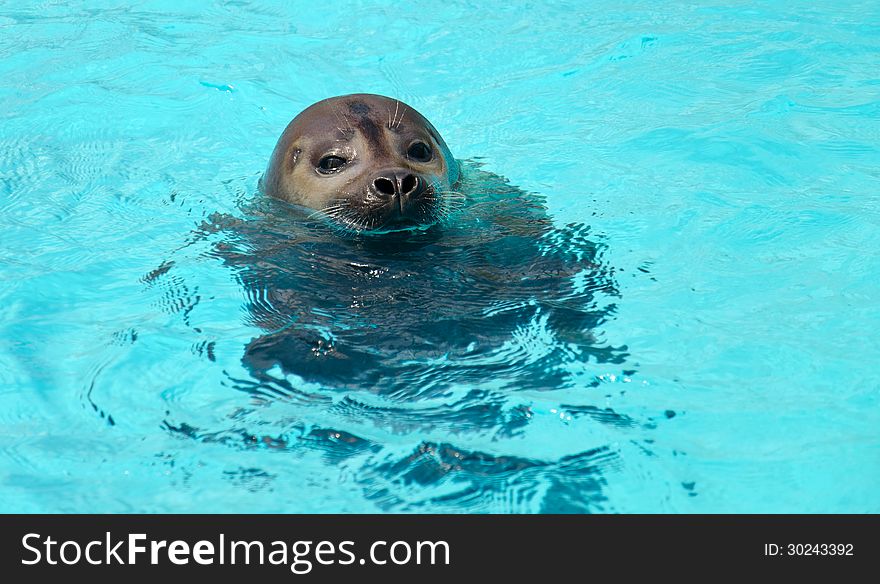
x: 685, y: 324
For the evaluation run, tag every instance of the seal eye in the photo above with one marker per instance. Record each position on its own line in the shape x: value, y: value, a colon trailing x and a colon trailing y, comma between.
x: 420, y: 152
x: 330, y: 164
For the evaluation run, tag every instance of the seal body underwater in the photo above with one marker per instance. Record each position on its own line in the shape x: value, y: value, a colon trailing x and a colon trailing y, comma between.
x: 389, y: 350
x: 376, y: 261
x: 366, y: 163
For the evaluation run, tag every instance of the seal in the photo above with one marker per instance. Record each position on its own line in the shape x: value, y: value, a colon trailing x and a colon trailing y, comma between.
x: 367, y: 163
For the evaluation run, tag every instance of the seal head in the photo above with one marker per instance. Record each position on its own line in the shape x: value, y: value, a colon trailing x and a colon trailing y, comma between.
x: 367, y: 163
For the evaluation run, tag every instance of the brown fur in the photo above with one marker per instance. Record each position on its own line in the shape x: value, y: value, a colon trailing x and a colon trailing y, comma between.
x: 373, y: 134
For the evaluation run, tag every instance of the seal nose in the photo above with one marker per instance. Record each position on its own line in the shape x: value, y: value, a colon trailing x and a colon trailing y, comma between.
x: 401, y: 184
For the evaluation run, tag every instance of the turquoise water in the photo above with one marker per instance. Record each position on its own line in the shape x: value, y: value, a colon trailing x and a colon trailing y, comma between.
x: 715, y: 171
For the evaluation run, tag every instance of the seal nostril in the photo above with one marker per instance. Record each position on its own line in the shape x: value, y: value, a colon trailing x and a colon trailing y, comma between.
x: 409, y: 184
x: 384, y: 185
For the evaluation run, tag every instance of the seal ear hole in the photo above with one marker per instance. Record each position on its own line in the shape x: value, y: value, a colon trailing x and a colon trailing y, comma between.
x: 420, y: 152
x: 330, y: 164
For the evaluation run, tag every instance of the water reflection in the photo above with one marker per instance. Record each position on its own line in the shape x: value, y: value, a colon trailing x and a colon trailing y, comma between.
x: 497, y: 293
x: 423, y: 333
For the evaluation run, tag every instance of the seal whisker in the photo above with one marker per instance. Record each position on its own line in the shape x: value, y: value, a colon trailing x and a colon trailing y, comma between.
x: 329, y: 210
x: 402, y: 114
x: 340, y: 116
x: 347, y: 217
x: 347, y: 222
x: 453, y: 196
x: 391, y: 125
x: 394, y: 119
x: 449, y: 201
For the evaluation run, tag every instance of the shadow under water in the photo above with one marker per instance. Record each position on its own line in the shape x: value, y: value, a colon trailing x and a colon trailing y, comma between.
x: 497, y: 292
x: 443, y: 325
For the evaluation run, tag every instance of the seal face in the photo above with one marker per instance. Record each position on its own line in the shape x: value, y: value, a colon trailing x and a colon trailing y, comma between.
x: 368, y: 163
